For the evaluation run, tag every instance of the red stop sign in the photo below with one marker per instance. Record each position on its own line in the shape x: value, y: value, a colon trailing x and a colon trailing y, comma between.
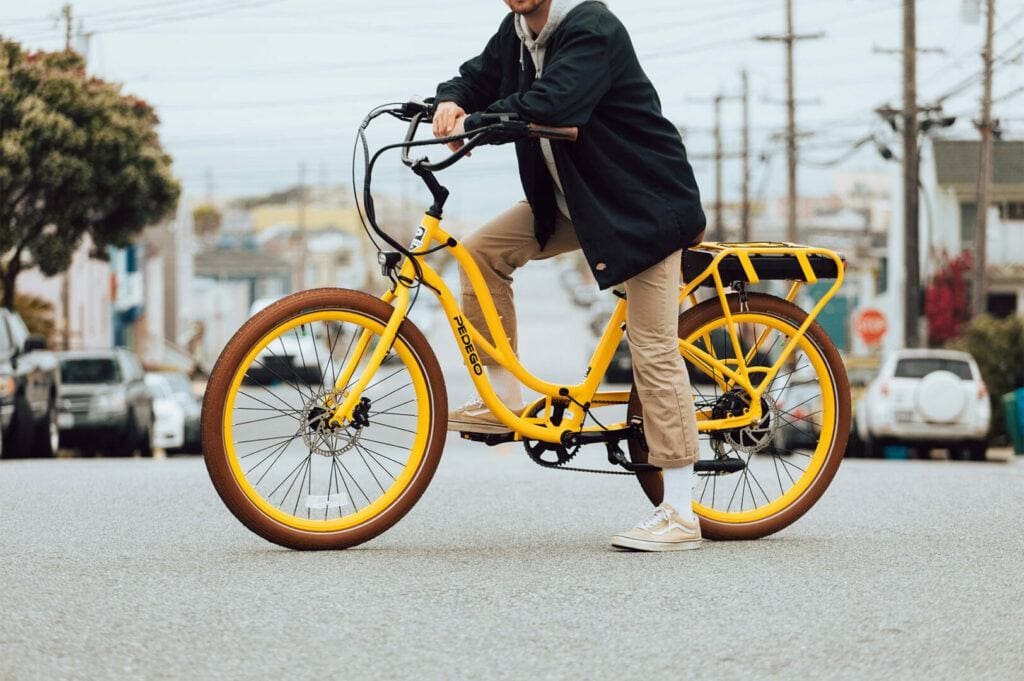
x: 871, y: 325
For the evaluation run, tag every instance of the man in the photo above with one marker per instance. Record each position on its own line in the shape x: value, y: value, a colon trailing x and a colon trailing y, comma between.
x: 624, y: 192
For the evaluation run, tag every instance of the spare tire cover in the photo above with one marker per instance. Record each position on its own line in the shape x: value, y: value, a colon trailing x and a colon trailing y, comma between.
x: 940, y: 397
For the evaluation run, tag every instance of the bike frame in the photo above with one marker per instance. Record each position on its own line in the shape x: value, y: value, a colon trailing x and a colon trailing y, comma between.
x: 579, y: 398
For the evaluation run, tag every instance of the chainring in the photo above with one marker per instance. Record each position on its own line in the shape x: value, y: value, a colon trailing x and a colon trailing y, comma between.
x: 537, y: 450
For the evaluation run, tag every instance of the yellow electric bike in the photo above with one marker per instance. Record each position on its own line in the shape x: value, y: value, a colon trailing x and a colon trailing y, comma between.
x: 326, y: 414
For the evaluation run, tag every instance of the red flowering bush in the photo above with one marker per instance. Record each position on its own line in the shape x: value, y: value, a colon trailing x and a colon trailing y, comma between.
x: 947, y: 301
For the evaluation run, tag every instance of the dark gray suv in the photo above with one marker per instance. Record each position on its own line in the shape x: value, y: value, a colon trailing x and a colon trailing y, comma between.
x: 105, y: 404
x: 29, y: 390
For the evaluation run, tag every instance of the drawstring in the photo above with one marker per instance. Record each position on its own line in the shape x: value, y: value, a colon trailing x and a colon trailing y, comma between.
x: 522, y: 58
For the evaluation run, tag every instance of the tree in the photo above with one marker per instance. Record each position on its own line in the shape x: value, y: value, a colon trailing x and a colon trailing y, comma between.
x: 206, y: 219
x: 77, y: 157
x: 947, y: 304
x: 38, y: 315
x: 998, y: 347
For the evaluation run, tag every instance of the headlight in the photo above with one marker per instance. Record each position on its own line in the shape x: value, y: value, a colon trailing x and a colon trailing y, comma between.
x: 112, y: 402
x: 7, y: 385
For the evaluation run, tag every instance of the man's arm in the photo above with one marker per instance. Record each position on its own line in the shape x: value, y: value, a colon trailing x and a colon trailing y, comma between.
x: 572, y: 84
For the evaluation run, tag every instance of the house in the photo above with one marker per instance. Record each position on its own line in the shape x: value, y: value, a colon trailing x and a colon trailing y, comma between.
x: 950, y: 186
x: 228, y: 280
x: 948, y: 205
x: 82, y: 299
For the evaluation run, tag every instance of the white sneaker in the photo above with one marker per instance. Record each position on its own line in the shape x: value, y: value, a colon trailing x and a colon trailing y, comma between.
x: 663, y: 530
x: 475, y: 417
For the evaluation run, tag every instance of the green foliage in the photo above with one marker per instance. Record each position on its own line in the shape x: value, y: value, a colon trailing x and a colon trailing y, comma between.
x: 38, y: 315
x: 998, y: 347
x: 77, y: 157
x: 206, y: 219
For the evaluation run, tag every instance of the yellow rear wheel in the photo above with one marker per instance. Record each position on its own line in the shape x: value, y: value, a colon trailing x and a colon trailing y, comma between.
x: 274, y: 457
x: 791, y: 455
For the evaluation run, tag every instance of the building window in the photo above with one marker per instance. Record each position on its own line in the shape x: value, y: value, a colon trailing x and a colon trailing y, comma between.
x: 1002, y: 305
x: 968, y: 215
x: 1011, y: 210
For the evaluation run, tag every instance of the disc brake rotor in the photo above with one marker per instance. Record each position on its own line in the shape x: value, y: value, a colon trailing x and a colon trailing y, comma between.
x: 752, y: 438
x: 320, y: 436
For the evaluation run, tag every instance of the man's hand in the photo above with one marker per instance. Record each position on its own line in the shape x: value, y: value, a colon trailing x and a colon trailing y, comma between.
x: 449, y: 119
x: 445, y: 116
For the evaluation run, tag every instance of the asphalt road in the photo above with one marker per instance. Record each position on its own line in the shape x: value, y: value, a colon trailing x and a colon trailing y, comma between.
x: 134, y: 569
x: 111, y: 569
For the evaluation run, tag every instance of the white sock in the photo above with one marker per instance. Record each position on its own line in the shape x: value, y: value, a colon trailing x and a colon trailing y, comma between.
x: 507, y: 386
x: 679, y: 490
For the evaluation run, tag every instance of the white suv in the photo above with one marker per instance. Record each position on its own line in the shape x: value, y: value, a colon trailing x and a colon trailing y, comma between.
x: 927, y: 398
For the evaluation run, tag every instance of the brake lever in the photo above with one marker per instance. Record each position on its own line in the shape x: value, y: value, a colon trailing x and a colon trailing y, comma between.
x: 416, y: 107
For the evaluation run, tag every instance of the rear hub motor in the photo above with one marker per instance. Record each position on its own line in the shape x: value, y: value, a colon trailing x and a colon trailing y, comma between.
x: 750, y: 439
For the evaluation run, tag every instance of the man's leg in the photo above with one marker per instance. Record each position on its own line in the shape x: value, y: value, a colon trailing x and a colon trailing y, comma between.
x: 670, y: 421
x: 500, y: 247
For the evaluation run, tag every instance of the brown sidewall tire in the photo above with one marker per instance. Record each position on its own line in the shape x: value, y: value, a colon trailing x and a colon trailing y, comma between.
x: 234, y: 353
x: 707, y: 311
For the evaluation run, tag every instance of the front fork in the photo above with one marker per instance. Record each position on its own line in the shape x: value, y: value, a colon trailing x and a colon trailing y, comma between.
x: 350, y: 394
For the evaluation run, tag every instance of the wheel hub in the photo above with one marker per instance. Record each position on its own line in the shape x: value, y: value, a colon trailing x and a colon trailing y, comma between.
x: 752, y: 438
x: 328, y: 440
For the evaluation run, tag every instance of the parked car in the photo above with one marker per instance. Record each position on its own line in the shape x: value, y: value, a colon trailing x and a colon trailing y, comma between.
x: 105, y: 404
x: 292, y: 357
x: 861, y: 371
x: 925, y: 399
x: 168, y: 415
x: 29, y: 390
x: 184, y: 395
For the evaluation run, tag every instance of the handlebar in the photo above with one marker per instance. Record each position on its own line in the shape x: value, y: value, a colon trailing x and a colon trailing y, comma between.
x: 497, y: 129
x: 505, y: 128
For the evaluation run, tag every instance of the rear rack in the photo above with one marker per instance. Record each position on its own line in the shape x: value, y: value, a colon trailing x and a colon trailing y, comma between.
x: 764, y: 262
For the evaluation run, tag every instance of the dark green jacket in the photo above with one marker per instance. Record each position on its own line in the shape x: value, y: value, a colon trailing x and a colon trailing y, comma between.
x: 630, y: 190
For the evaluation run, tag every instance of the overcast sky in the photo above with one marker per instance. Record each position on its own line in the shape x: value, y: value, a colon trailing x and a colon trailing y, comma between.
x: 249, y: 89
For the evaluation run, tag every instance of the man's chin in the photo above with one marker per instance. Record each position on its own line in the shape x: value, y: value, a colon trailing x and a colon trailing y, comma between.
x: 523, y: 6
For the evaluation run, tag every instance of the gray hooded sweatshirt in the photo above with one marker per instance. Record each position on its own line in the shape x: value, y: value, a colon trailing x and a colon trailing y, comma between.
x: 536, y: 47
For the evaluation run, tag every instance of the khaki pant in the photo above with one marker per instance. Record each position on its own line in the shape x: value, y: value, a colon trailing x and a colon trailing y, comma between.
x: 508, y: 242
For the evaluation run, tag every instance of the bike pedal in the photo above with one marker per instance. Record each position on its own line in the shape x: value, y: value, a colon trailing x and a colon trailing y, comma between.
x: 719, y: 466
x: 618, y: 458
x: 489, y: 439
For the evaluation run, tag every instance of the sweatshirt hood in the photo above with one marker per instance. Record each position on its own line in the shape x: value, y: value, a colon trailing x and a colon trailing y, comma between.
x: 557, y: 12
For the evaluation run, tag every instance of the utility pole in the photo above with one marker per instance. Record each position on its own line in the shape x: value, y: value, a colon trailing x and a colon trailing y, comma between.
x: 719, y: 156
x: 979, y: 297
x: 789, y: 39
x: 745, y: 204
x: 718, y: 231
x: 910, y: 127
x: 68, y: 18
x: 911, y: 168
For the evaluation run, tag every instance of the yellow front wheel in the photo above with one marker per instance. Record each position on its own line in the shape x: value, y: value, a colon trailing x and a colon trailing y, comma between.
x: 277, y: 461
x: 791, y: 454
